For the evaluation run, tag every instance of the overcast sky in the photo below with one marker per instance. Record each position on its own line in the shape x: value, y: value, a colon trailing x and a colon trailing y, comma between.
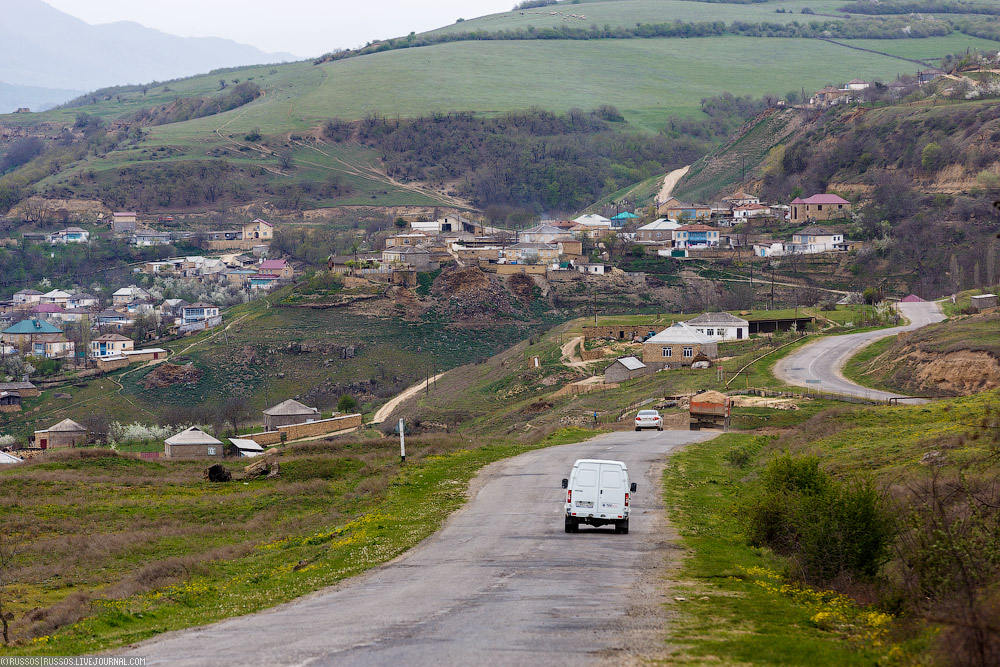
x: 305, y: 28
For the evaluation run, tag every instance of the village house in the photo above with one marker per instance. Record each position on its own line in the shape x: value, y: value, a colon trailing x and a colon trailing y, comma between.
x: 531, y: 253
x: 287, y: 413
x: 819, y: 207
x: 69, y: 235
x: 682, y: 211
x: 56, y: 296
x: 240, y: 277
x: 82, y: 300
x: 678, y: 346
x: 66, y: 433
x: 693, y: 236
x: 246, y: 449
x: 740, y: 198
x: 658, y: 231
x: 112, y: 319
x: 38, y: 338
x: 721, y: 326
x: 597, y: 224
x: 816, y: 239
x: 409, y: 238
x: 258, y: 230
x: 46, y: 311
x: 418, y: 258
x: 192, y: 443
x: 75, y: 314
x: 127, y: 295
x: 543, y: 233
x: 198, y: 312
x: 148, y: 238
x: 277, y: 267
x: 110, y: 345
x: 592, y: 269
x: 27, y: 296
x: 751, y: 211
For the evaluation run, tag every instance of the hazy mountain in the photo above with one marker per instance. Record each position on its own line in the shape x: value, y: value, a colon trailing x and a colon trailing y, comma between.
x: 42, y: 47
x: 37, y: 99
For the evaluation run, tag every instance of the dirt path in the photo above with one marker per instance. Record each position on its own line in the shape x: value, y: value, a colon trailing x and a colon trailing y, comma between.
x: 670, y: 181
x: 387, y: 409
x: 569, y: 356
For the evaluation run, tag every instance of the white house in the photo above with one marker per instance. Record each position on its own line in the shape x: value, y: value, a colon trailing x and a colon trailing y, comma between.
x: 741, y: 198
x: 127, y: 295
x: 775, y: 249
x: 592, y: 269
x: 27, y: 296
x: 678, y: 344
x: 751, y: 211
x: 593, y: 220
x: 198, y: 312
x: 721, y: 326
x: 816, y: 239
x: 56, y: 296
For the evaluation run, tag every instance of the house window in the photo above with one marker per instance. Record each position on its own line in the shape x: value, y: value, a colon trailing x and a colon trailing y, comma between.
x: 819, y: 207
x: 668, y: 352
x: 688, y: 351
x: 211, y: 451
x: 710, y: 332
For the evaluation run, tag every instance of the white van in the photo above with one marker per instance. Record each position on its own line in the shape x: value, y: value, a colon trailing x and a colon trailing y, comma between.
x: 597, y: 493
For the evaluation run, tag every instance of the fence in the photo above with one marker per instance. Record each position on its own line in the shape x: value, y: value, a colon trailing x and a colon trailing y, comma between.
x: 313, y: 428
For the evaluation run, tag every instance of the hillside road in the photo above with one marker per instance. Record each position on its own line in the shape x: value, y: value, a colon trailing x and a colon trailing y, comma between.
x: 500, y: 584
x: 819, y: 365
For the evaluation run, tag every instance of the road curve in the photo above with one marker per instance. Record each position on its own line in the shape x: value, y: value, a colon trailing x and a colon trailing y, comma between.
x: 819, y: 365
x: 500, y: 584
x: 383, y: 413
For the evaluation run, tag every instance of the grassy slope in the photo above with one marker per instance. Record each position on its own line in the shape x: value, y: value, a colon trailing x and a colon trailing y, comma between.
x: 630, y: 12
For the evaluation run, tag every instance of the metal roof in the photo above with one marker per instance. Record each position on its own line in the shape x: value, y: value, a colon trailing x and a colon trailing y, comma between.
x: 718, y: 318
x: 32, y: 327
x: 290, y: 407
x: 192, y: 436
x: 631, y: 363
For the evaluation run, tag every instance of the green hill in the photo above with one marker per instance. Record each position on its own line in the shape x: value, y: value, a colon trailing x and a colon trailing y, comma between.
x: 275, y: 142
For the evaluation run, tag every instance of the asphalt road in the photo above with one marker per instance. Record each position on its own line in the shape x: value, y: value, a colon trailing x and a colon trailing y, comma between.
x: 818, y: 365
x: 500, y: 584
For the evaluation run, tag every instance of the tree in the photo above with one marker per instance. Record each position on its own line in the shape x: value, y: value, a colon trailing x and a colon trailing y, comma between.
x: 347, y: 403
x: 400, y: 223
x: 235, y: 410
x: 930, y: 156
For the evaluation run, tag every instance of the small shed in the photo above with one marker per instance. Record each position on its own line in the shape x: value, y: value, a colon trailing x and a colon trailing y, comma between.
x: 625, y: 368
x: 192, y: 443
x: 287, y: 413
x: 246, y: 448
x: 66, y: 433
x: 10, y: 401
x: 983, y: 301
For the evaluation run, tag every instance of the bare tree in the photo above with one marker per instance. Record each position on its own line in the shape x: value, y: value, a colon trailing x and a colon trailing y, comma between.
x: 235, y: 410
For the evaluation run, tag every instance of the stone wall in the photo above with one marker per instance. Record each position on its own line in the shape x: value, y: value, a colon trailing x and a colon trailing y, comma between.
x: 297, y: 431
x: 107, y: 364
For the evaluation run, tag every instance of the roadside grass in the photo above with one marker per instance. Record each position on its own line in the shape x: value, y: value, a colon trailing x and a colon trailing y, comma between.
x: 124, y: 549
x: 736, y: 606
x: 860, y: 369
x: 963, y: 300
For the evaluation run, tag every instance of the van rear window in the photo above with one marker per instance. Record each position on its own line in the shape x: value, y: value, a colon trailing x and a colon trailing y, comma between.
x: 586, y: 478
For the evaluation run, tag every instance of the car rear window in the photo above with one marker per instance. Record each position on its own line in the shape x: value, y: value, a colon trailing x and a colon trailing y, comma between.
x: 649, y: 413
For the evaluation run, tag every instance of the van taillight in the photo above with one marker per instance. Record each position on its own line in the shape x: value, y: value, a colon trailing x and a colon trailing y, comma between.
x: 626, y: 500
x: 569, y: 497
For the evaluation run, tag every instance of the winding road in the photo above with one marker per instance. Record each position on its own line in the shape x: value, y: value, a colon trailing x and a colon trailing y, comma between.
x: 500, y: 584
x: 819, y: 365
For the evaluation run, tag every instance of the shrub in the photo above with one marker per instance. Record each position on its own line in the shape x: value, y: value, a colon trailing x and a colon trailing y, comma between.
x: 828, y: 528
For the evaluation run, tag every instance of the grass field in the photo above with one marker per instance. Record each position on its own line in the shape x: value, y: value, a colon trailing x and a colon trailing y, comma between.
x: 121, y: 549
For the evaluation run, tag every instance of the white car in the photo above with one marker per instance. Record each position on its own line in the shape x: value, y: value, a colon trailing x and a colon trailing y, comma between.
x: 648, y: 419
x: 597, y: 493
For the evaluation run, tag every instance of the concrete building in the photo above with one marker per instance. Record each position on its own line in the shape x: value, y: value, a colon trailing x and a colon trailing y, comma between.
x: 625, y: 368
x: 721, y: 326
x: 192, y: 443
x: 287, y: 413
x: 658, y: 231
